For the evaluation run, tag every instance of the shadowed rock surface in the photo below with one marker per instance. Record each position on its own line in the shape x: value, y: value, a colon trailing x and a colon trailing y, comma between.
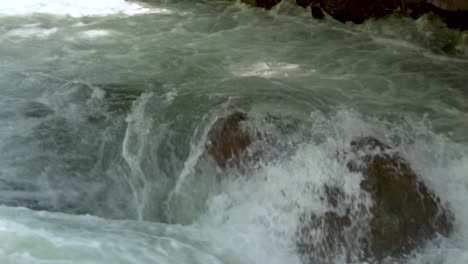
x: 453, y: 13
x: 227, y: 139
x: 404, y: 214
x: 454, y: 19
x: 356, y: 11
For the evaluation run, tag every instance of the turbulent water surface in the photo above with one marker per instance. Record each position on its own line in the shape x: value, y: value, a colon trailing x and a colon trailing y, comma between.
x: 106, y: 107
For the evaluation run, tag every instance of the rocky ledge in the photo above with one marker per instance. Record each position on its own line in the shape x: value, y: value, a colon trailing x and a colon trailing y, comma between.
x: 453, y: 12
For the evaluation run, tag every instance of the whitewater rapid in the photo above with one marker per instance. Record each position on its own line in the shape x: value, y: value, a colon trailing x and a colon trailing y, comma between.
x: 106, y: 107
x: 72, y: 8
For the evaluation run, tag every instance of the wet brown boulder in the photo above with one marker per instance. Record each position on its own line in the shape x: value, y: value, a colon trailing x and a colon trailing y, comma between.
x: 270, y: 137
x: 227, y: 140
x: 267, y: 4
x: 405, y: 213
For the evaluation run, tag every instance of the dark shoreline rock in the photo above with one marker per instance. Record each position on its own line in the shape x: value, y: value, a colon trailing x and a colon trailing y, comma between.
x: 454, y: 19
x: 358, y: 11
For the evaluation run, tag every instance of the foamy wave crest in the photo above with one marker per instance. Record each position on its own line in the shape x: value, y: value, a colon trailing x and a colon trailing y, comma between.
x: 74, y: 8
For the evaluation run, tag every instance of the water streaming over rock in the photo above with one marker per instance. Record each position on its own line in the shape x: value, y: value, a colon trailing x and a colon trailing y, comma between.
x: 107, y: 107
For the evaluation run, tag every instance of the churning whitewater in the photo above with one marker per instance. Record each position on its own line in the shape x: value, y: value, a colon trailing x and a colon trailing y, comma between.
x: 107, y: 108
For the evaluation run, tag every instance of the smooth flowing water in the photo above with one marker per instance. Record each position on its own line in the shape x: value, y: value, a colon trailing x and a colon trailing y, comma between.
x: 106, y: 106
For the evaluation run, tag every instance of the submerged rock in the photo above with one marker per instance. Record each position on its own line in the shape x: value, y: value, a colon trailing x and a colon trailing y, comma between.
x: 404, y: 213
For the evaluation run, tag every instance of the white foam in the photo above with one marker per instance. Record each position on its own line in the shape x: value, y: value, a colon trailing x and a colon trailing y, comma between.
x: 74, y: 8
x: 271, y: 70
x: 29, y: 32
x: 95, y: 33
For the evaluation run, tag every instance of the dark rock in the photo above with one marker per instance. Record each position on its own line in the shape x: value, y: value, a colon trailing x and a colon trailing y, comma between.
x: 267, y: 4
x: 454, y: 19
x: 315, y: 9
x: 356, y: 11
x: 454, y: 14
x: 404, y: 214
x: 231, y: 145
x: 450, y: 5
x: 317, y: 12
x: 227, y: 140
x: 303, y: 3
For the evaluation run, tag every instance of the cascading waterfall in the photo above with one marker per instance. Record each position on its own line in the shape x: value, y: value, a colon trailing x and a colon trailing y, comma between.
x: 107, y: 110
x: 134, y: 145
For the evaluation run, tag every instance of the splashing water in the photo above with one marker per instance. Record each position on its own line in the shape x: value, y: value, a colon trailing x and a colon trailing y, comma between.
x: 107, y: 107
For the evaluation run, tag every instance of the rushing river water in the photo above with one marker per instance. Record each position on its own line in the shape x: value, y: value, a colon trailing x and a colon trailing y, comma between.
x: 106, y: 105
